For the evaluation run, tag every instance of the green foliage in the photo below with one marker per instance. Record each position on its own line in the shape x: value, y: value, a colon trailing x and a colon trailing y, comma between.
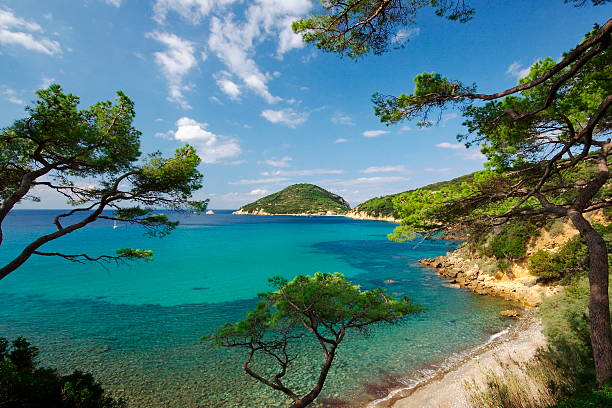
x: 385, y: 207
x: 356, y: 27
x: 591, y: 398
x: 321, y: 300
x: 299, y: 199
x: 571, y: 261
x: 325, y: 306
x: 510, y: 244
x: 566, y: 326
x: 131, y: 253
x: 24, y: 385
x: 58, y: 146
x: 378, y: 206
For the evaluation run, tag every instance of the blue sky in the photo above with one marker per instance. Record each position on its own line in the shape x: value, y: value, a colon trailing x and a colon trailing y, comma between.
x: 265, y: 111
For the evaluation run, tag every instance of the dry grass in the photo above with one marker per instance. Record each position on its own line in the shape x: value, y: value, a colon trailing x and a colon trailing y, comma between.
x: 537, y: 383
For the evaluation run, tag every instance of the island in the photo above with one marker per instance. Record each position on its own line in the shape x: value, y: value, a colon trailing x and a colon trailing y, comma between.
x: 298, y: 199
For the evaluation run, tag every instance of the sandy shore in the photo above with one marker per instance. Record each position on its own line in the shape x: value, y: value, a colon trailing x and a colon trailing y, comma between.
x: 445, y: 389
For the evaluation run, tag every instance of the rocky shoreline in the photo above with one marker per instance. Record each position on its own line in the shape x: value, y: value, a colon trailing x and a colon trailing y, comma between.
x: 361, y: 215
x: 350, y: 214
x: 463, y: 274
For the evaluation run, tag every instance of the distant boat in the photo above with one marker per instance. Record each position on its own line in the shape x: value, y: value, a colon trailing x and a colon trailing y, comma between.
x: 115, y: 225
x: 210, y: 212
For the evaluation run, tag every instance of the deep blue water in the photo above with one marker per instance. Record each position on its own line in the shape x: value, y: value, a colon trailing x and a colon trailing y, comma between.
x: 137, y: 326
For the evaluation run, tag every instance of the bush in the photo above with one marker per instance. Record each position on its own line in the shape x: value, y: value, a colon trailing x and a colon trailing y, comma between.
x: 24, y: 385
x: 543, y: 264
x: 570, y: 262
x: 555, y: 227
x: 593, y: 398
x: 510, y: 244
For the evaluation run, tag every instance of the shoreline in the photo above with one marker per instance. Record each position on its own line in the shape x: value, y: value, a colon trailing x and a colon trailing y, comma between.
x: 444, y: 388
x: 354, y: 216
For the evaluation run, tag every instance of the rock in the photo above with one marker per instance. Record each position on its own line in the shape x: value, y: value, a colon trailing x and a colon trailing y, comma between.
x: 510, y: 313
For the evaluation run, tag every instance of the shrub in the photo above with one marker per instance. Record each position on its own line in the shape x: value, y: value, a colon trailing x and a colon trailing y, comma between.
x: 510, y: 244
x: 543, y: 264
x: 555, y: 227
x: 24, y: 385
x: 570, y: 262
x: 592, y: 398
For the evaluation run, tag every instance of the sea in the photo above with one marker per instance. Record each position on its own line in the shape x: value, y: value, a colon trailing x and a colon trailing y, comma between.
x: 138, y: 326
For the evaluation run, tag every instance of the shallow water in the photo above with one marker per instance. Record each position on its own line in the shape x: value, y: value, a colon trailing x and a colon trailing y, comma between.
x: 137, y: 326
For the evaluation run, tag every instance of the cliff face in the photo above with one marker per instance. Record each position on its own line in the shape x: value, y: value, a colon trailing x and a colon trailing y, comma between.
x: 466, y: 269
x: 298, y: 199
x: 362, y: 215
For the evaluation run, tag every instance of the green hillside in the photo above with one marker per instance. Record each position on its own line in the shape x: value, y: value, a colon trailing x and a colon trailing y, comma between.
x: 383, y: 206
x: 299, y: 199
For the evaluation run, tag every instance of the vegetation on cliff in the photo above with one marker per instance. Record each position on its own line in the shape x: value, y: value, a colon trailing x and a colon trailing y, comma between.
x: 384, y: 206
x: 299, y: 199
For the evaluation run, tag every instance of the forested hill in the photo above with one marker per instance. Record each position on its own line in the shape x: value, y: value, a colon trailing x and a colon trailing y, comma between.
x: 383, y: 206
x: 298, y: 199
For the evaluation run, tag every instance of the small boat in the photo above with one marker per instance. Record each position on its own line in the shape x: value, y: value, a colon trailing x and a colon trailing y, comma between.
x: 210, y: 212
x: 115, y: 225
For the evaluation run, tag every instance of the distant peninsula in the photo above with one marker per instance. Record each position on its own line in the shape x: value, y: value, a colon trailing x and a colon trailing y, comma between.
x: 298, y: 199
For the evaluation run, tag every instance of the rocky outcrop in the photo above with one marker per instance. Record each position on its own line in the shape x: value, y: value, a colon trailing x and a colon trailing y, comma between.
x: 466, y: 275
x: 362, y: 215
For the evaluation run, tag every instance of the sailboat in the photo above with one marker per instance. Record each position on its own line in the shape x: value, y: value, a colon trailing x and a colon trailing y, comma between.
x: 115, y: 224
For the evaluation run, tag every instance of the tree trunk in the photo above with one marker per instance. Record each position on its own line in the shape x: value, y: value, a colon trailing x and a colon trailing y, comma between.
x: 599, y: 306
x: 314, y: 393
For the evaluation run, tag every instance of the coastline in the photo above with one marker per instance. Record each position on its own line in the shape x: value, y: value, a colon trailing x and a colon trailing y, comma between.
x: 353, y: 215
x: 445, y: 387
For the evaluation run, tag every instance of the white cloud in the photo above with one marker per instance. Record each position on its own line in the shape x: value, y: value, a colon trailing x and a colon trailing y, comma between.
x: 437, y: 170
x: 375, y: 133
x: 46, y: 82
x: 341, y: 140
x: 176, y: 62
x: 370, y: 180
x: 446, y: 145
x: 404, y: 35
x: 293, y: 173
x: 16, y: 31
x: 516, y: 69
x: 192, y: 10
x: 10, y: 95
x: 258, y: 191
x: 464, y: 152
x: 234, y: 43
x: 282, y: 162
x: 116, y: 3
x: 405, y: 129
x: 227, y: 86
x: 260, y: 181
x: 385, y: 169
x: 211, y: 147
x: 342, y: 119
x: 449, y: 116
x: 472, y: 155
x: 287, y: 117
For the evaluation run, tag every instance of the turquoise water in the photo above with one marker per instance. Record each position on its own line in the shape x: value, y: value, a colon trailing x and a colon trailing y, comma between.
x: 137, y: 326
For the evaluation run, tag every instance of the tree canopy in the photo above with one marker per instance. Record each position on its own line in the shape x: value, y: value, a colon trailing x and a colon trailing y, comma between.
x: 326, y: 306
x: 357, y: 27
x: 23, y: 384
x: 91, y: 157
x: 547, y: 140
